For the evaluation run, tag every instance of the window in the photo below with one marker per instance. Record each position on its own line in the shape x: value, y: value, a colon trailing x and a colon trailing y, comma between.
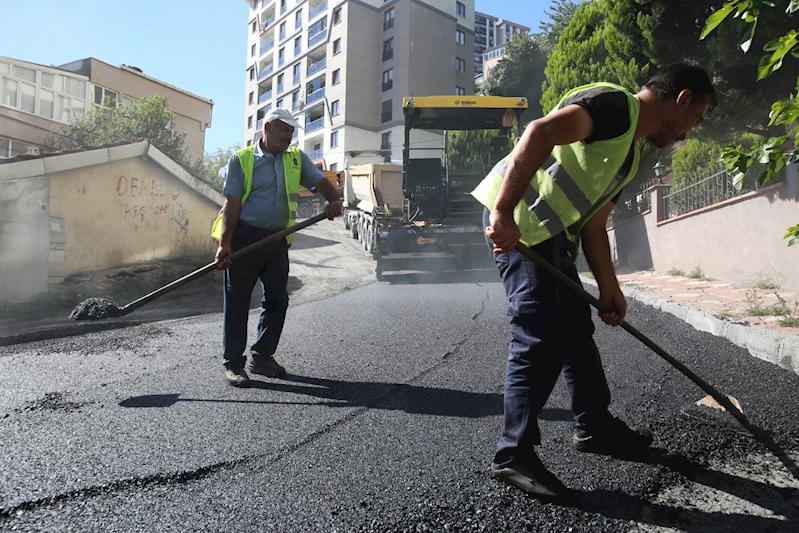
x: 388, y: 79
x: 27, y: 100
x: 46, y: 103
x: 281, y: 56
x: 280, y: 83
x: 460, y: 37
x: 252, y: 97
x: 10, y: 92
x: 334, y: 108
x: 337, y: 16
x: 334, y: 168
x: 385, y: 141
x: 252, y: 73
x: 297, y: 69
x: 388, y: 19
x: 102, y: 94
x: 460, y: 91
x: 254, y: 26
x: 252, y: 50
x: 279, y: 103
x: 298, y: 19
x: 295, y: 97
x: 297, y: 46
x: 336, y: 46
x: 334, y: 139
x: 388, y: 49
x: 385, y: 114
x: 460, y: 9
x: 282, y: 31
x: 460, y: 65
x: 336, y: 76
x: 9, y: 148
x: 249, y: 122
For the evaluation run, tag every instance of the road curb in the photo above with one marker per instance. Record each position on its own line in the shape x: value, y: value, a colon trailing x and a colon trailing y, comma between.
x: 781, y: 349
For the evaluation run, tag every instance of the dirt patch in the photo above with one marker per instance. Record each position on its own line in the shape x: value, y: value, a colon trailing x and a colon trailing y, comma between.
x: 52, y: 401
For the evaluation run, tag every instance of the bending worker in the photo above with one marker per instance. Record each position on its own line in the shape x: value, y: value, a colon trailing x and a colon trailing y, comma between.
x: 555, y: 189
x: 262, y: 184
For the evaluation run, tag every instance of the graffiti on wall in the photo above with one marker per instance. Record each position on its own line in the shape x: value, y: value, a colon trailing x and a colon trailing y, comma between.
x: 151, y: 201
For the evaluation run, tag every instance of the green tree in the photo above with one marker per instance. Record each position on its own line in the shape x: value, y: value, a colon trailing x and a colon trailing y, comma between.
x: 774, y: 152
x: 208, y: 166
x: 520, y: 73
x: 468, y: 150
x: 560, y: 14
x: 147, y: 118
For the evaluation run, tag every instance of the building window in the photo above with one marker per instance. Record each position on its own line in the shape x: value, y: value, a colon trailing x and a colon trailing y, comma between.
x: 103, y: 96
x: 297, y: 46
x: 279, y: 103
x: 297, y: 70
x: 252, y: 97
x: 254, y: 26
x: 388, y: 49
x: 282, y: 34
x: 334, y: 168
x: 252, y: 51
x: 460, y: 37
x: 336, y: 46
x: 385, y: 141
x: 336, y: 76
x: 280, y: 83
x: 337, y: 16
x: 9, y: 148
x: 334, y: 139
x: 388, y: 79
x: 281, y: 57
x: 388, y: 19
x: 298, y: 19
x: 460, y: 91
x: 249, y: 122
x: 295, y: 96
x: 460, y: 65
x: 460, y: 9
x: 252, y: 73
x: 334, y: 109
x: 385, y: 114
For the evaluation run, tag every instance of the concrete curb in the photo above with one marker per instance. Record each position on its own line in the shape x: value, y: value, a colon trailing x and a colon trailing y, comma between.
x: 781, y: 349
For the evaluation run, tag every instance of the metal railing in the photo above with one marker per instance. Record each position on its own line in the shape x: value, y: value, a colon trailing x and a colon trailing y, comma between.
x: 266, y: 72
x: 316, y: 67
x: 283, y: 9
x: 318, y: 9
x: 635, y: 200
x: 316, y: 95
x: 314, y: 125
x: 269, y: 21
x: 298, y: 24
x: 313, y: 39
x: 264, y: 97
x: 316, y: 154
x: 388, y: 23
x: 714, y: 189
x: 388, y: 54
x: 388, y: 85
x: 268, y: 46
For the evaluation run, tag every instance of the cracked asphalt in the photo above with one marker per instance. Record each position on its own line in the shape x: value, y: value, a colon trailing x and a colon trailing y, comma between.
x: 387, y: 422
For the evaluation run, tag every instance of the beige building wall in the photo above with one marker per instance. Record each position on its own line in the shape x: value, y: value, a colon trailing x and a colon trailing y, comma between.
x: 128, y: 211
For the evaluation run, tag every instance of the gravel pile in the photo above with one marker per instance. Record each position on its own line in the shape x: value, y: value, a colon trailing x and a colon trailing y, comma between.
x: 95, y: 308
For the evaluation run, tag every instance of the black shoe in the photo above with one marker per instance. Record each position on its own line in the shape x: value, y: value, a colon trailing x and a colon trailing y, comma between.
x: 614, y: 438
x: 237, y: 378
x: 266, y: 365
x: 534, y: 479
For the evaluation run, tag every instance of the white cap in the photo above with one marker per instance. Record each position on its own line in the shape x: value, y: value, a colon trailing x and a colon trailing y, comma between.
x: 282, y: 115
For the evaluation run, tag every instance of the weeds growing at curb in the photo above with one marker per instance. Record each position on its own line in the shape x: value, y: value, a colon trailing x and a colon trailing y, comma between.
x: 675, y: 272
x: 696, y: 274
x: 755, y: 305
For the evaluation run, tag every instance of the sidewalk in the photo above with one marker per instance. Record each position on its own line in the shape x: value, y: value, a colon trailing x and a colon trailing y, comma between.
x: 723, y: 309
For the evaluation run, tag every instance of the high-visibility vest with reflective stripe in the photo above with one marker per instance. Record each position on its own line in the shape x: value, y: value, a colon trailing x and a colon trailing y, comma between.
x: 292, y: 169
x: 568, y: 193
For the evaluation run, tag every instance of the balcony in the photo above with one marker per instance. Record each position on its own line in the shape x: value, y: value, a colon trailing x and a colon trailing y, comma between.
x: 314, y: 39
x: 264, y: 97
x: 316, y: 95
x: 388, y: 85
x: 314, y: 125
x: 316, y: 154
x: 266, y: 72
x: 267, y: 23
x: 316, y: 67
x: 388, y: 54
x: 268, y: 46
x: 388, y: 24
x: 318, y: 9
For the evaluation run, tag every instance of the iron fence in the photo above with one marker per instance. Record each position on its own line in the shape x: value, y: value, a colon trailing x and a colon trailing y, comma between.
x: 714, y: 189
x: 635, y: 200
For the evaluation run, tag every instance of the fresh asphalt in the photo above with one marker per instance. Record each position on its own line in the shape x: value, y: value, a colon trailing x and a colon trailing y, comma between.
x: 387, y: 422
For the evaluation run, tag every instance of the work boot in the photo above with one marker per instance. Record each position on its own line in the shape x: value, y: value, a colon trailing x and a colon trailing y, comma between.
x: 237, y: 377
x: 533, y: 478
x: 614, y: 438
x: 266, y: 365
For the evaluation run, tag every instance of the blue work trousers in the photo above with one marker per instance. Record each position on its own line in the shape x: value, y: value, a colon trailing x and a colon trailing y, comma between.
x: 270, y: 264
x: 551, y: 334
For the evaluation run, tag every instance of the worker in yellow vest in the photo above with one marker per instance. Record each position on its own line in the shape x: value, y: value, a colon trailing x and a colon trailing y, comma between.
x: 554, y: 190
x: 262, y: 186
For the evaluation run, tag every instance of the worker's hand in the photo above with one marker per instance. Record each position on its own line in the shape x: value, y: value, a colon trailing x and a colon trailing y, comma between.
x: 221, y: 253
x: 613, y: 300
x: 333, y: 210
x: 503, y: 232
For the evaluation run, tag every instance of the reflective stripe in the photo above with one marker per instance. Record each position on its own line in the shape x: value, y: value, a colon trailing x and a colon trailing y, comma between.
x: 294, y: 197
x: 538, y: 205
x: 570, y: 188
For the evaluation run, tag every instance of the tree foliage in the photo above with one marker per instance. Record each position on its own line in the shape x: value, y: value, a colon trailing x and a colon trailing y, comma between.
x: 520, y: 73
x: 468, y: 150
x: 208, y: 166
x: 147, y: 118
x: 560, y: 14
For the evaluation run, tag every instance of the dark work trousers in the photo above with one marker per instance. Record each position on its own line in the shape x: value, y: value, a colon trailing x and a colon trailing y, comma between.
x: 270, y: 264
x: 551, y: 334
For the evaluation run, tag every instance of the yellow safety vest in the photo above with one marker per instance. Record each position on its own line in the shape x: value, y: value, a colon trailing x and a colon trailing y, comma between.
x: 292, y: 169
x: 564, y: 196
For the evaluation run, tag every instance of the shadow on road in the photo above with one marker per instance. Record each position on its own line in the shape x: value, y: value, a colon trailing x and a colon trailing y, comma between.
x: 448, y: 276
x: 306, y: 242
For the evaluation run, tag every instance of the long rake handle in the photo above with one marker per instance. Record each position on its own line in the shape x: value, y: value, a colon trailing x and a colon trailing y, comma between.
x: 210, y: 267
x: 704, y: 385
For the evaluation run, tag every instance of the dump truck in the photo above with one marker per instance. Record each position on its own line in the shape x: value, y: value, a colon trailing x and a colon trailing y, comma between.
x: 420, y: 215
x: 311, y: 201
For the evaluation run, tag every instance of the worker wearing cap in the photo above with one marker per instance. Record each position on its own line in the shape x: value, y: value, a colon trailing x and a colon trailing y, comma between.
x: 555, y: 190
x: 261, y: 194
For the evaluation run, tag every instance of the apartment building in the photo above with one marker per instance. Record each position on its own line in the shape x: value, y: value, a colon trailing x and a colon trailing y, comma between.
x: 344, y: 66
x: 489, y: 33
x: 35, y: 98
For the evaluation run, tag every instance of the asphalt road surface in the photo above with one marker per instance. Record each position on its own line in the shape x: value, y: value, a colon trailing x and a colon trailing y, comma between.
x: 387, y: 422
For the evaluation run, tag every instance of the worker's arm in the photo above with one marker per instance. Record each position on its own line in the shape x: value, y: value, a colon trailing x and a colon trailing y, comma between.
x: 597, y: 251
x: 565, y: 126
x: 333, y: 207
x: 231, y: 210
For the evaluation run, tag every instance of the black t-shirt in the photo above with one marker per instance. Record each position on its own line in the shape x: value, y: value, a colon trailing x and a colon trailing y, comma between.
x: 610, y: 113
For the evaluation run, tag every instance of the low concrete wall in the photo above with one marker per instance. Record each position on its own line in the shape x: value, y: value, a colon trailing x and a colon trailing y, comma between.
x: 739, y: 240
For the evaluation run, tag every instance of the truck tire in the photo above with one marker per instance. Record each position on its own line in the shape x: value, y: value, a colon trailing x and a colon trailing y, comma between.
x: 370, y: 239
x: 379, y: 270
x: 354, y: 230
x: 304, y: 210
x: 346, y: 218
